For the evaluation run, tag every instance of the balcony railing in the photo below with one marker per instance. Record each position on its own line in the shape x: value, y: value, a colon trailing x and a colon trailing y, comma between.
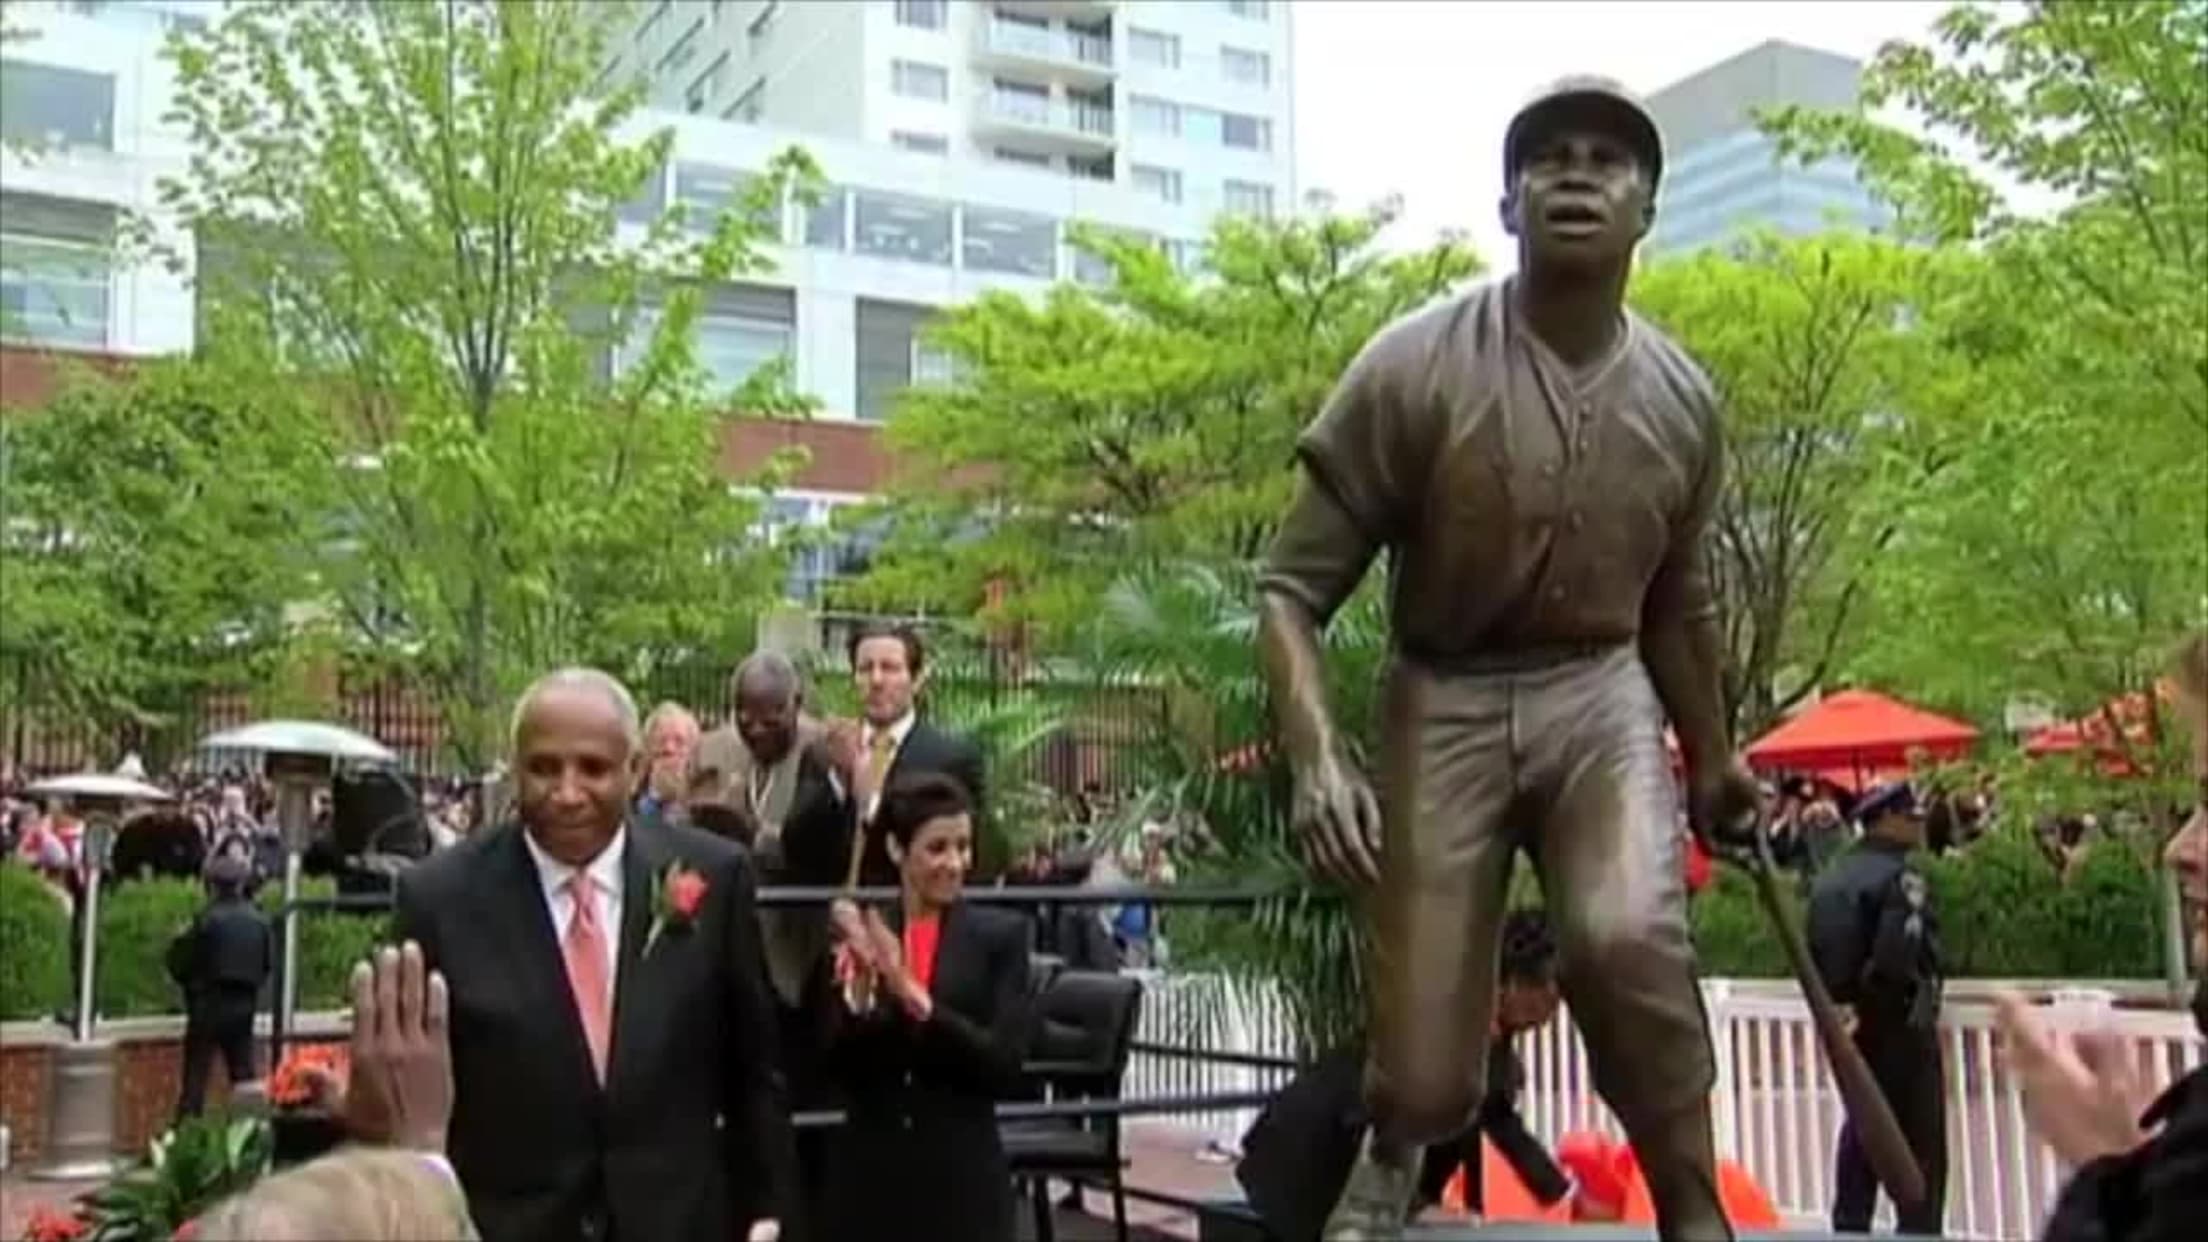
x: 1068, y: 46
x: 1072, y: 115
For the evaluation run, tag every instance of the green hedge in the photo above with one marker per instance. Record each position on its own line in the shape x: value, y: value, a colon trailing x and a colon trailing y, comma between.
x: 139, y: 918
x: 34, y: 946
x: 2004, y: 912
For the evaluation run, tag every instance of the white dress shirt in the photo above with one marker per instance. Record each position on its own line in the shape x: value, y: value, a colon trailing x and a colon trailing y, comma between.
x: 898, y: 731
x: 605, y: 875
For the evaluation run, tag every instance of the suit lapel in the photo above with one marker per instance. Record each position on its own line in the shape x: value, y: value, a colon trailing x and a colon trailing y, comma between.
x: 641, y: 862
x: 535, y: 948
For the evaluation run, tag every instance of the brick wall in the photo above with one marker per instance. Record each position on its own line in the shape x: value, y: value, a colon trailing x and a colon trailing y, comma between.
x: 25, y: 1085
x: 148, y: 1074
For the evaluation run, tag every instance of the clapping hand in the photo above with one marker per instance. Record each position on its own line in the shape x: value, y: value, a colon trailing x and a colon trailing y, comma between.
x: 2082, y: 1092
x: 399, y: 1091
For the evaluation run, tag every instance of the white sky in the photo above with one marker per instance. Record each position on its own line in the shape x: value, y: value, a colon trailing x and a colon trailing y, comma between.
x: 1411, y: 96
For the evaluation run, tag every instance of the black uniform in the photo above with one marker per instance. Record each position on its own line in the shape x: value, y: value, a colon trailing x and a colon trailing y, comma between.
x: 1875, y: 938
x: 220, y: 962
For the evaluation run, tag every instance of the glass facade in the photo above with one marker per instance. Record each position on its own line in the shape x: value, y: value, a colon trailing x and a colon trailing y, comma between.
x: 1737, y: 182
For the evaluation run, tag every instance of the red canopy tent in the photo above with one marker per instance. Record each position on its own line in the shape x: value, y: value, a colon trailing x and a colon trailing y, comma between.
x: 1857, y: 738
x: 2092, y: 732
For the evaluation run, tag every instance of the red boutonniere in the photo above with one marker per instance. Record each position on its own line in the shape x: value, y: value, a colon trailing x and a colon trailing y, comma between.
x: 676, y: 897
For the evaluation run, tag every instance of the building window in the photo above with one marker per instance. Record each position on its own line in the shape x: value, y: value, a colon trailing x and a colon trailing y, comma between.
x: 53, y: 292
x: 49, y: 107
x: 738, y: 331
x: 1162, y: 183
x: 1026, y: 159
x: 650, y: 27
x: 1096, y: 169
x: 1012, y: 242
x: 650, y: 200
x: 1246, y: 67
x: 922, y: 14
x: 899, y: 226
x: 684, y: 51
x: 1020, y: 101
x: 1249, y: 198
x: 824, y: 219
x: 925, y: 144
x: 707, y: 190
x: 1148, y: 47
x: 749, y: 105
x: 932, y: 365
x: 1249, y: 133
x: 914, y: 80
x: 708, y: 85
x: 1259, y: 10
x: 762, y: 27
x: 1156, y: 116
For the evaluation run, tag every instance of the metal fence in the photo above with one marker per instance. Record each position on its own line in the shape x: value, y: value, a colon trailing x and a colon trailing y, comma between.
x: 1096, y: 724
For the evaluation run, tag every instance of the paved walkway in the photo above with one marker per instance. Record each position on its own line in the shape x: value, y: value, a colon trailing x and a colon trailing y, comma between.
x: 1163, y: 1158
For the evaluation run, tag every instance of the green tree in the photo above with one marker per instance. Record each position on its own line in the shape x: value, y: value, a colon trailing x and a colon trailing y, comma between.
x: 1812, y: 347
x: 2063, y: 541
x: 144, y: 560
x: 1150, y: 419
x: 411, y: 260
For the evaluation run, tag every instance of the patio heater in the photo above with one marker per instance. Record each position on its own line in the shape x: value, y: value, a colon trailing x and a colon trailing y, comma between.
x: 82, y: 1113
x: 298, y: 757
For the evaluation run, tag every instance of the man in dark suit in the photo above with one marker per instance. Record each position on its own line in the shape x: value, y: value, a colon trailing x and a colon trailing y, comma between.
x: 890, y: 664
x: 221, y: 961
x: 612, y: 1038
x: 769, y: 781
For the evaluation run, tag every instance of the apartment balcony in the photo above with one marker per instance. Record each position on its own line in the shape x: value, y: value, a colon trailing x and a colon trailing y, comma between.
x: 1065, y: 10
x: 1046, y: 124
x: 1074, y: 57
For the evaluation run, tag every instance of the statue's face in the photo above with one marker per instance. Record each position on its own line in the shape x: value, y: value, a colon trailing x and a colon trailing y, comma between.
x: 1579, y: 199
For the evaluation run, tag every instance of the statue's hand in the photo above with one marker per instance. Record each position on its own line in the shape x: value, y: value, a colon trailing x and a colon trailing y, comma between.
x: 1338, y: 820
x: 1726, y: 809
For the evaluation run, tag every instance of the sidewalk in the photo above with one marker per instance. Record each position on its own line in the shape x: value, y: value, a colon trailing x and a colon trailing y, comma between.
x: 1162, y: 1158
x: 20, y: 1196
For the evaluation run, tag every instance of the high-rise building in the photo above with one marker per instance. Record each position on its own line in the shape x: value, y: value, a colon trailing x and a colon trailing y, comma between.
x: 1723, y: 175
x: 1196, y: 95
x: 1185, y: 101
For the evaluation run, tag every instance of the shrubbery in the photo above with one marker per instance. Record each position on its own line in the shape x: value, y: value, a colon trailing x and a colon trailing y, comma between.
x: 139, y: 918
x: 2004, y: 911
x: 34, y: 945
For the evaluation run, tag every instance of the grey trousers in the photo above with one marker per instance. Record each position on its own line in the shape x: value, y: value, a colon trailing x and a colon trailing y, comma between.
x: 1565, y: 761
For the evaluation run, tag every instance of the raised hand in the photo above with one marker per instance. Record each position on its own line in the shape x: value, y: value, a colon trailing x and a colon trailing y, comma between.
x: 400, y: 1088
x: 2082, y: 1091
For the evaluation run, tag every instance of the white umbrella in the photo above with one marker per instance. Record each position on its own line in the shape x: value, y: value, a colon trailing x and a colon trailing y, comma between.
x: 301, y: 737
x: 97, y: 785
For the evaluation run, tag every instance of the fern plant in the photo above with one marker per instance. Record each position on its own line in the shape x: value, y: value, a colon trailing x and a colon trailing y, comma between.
x: 1191, y: 632
x: 189, y: 1169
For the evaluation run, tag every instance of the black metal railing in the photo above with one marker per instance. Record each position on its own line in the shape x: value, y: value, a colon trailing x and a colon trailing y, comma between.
x: 1007, y: 1110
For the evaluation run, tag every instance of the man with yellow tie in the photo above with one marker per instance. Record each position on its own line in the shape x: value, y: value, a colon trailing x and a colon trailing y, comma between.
x: 889, y: 741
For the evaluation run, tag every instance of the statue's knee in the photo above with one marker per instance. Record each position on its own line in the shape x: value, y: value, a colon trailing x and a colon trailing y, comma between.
x: 1597, y: 943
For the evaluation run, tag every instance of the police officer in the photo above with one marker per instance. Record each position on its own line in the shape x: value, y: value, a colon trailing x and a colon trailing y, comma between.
x: 1876, y: 941
x: 221, y: 961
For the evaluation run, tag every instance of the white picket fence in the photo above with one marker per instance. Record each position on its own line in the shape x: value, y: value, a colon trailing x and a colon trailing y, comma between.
x: 1775, y: 1108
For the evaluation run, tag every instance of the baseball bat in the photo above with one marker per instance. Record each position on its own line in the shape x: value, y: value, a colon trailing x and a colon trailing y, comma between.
x: 1883, y: 1142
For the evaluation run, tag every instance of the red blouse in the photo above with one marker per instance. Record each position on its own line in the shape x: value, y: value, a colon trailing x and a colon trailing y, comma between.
x: 921, y: 937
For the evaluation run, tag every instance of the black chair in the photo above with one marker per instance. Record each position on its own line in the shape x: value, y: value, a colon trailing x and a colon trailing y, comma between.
x: 1084, y: 1034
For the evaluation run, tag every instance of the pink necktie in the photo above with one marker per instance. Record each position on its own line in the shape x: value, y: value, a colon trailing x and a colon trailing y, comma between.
x: 584, y: 949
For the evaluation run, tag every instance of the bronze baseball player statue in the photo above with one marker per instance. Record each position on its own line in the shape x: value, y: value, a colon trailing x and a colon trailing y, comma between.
x: 1540, y: 466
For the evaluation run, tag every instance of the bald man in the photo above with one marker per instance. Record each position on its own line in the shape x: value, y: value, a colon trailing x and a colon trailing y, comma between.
x: 610, y: 1081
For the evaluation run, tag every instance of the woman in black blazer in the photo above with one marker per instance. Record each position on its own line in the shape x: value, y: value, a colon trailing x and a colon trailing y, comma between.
x: 925, y: 1032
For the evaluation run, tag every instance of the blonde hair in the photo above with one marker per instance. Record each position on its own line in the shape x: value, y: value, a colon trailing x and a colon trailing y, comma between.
x: 360, y: 1194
